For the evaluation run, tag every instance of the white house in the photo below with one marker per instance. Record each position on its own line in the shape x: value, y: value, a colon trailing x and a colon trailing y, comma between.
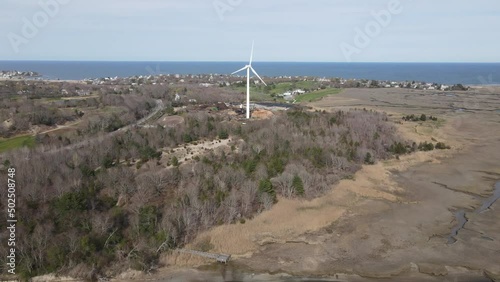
x: 82, y: 92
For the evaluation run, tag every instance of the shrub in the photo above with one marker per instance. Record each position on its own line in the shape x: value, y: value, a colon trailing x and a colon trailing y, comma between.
x: 71, y: 201
x: 442, y: 146
x: 275, y: 166
x: 298, y: 185
x: 147, y: 220
x: 426, y: 146
x: 107, y: 162
x: 223, y: 134
x: 398, y: 148
x: 250, y: 165
x: 175, y: 161
x: 266, y: 186
x: 368, y: 159
x: 316, y: 156
x: 148, y: 153
x: 187, y: 138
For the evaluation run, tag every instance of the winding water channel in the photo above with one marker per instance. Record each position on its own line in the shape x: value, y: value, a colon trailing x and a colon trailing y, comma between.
x: 461, y: 217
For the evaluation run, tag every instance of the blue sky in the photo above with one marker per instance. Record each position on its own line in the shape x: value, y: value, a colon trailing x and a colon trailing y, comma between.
x: 222, y: 30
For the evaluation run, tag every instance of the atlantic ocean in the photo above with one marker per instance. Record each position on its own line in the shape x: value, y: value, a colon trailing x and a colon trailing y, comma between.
x: 442, y: 73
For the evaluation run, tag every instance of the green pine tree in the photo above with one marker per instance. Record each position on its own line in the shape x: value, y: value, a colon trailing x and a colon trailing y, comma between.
x: 298, y: 185
x: 266, y: 186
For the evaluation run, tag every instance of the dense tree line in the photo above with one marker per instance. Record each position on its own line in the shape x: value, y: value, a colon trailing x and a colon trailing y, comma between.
x: 422, y: 117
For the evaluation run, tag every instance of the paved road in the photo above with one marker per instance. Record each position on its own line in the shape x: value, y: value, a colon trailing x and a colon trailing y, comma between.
x: 159, y: 106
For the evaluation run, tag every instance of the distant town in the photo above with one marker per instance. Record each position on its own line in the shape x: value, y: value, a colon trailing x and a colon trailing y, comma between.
x: 18, y: 74
x: 220, y: 80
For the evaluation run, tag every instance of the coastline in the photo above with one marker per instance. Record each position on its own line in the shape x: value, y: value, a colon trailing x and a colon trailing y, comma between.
x: 442, y: 73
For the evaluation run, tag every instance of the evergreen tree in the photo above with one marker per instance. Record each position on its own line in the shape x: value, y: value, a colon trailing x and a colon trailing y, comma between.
x: 298, y: 185
x: 266, y: 186
x: 368, y: 159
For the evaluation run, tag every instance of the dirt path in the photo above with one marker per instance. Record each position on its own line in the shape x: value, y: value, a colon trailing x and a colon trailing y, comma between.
x: 190, y: 151
x: 158, y: 108
x: 60, y: 127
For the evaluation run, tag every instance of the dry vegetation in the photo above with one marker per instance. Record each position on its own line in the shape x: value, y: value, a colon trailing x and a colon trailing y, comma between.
x: 121, y: 202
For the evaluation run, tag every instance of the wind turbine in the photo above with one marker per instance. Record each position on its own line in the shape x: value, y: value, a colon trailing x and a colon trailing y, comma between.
x: 248, y: 68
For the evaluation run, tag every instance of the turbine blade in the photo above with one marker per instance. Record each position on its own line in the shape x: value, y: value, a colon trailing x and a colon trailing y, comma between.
x: 258, y: 76
x: 251, y: 54
x: 242, y: 69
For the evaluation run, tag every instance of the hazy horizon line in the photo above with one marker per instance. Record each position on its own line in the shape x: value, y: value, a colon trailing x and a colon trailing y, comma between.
x: 224, y: 61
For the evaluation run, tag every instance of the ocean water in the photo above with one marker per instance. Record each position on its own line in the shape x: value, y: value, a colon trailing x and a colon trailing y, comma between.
x: 444, y: 73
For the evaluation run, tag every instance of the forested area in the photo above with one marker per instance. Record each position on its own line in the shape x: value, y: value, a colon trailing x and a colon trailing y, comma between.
x: 121, y: 198
x: 24, y: 114
x: 28, y: 106
x: 118, y: 203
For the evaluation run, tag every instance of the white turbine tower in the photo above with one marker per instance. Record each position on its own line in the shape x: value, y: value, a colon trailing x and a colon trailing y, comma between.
x: 248, y: 68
